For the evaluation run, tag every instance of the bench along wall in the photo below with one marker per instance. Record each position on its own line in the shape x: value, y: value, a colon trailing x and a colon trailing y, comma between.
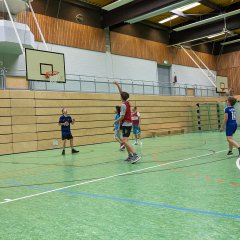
x: 29, y: 120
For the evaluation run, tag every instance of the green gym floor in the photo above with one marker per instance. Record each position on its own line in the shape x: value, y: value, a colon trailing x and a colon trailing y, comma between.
x: 184, y: 187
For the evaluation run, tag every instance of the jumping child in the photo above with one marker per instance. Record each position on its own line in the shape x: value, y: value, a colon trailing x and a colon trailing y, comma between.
x: 231, y: 124
x: 136, y: 125
x: 64, y: 121
x: 126, y: 124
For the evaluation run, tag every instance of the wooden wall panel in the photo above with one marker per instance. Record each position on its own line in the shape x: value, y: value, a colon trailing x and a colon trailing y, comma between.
x: 25, y: 147
x: 4, y: 94
x: 140, y: 48
x: 6, y: 148
x: 19, y: 120
x: 135, y: 47
x: 24, y: 137
x: 229, y: 65
x: 62, y: 32
x: 179, y: 57
x: 5, y: 123
x: 32, y: 120
x: 16, y: 82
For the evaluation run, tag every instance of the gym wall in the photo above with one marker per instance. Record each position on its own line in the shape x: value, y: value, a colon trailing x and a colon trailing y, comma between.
x: 29, y: 120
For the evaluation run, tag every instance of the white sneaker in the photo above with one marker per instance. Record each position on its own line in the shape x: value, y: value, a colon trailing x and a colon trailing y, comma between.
x: 135, y: 143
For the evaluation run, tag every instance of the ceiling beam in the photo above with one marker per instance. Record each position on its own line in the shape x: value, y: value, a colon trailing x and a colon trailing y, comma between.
x: 208, y: 20
x: 205, y: 30
x: 211, y: 5
x: 83, y: 4
x: 235, y: 46
x: 135, y: 9
x: 156, y: 26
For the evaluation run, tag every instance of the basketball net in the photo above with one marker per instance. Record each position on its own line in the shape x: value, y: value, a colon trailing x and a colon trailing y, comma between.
x: 52, y: 76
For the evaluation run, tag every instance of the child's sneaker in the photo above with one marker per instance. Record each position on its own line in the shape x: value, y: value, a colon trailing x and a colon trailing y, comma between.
x: 229, y: 153
x: 63, y: 152
x: 135, y: 158
x: 75, y: 151
x: 129, y: 158
x: 135, y: 143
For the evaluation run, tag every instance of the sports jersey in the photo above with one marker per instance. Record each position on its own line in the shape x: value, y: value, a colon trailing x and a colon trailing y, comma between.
x: 231, y: 125
x: 117, y: 123
x: 231, y: 115
x: 126, y: 112
x: 65, y: 129
x: 135, y: 118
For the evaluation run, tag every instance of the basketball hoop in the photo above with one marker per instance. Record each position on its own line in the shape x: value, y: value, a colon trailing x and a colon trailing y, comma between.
x: 223, y: 87
x: 53, y: 76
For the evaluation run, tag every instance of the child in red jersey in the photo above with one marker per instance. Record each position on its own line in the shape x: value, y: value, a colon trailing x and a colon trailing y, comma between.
x: 126, y: 124
x: 136, y: 125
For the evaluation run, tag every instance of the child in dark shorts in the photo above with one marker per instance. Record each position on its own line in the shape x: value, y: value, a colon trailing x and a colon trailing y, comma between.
x: 64, y: 121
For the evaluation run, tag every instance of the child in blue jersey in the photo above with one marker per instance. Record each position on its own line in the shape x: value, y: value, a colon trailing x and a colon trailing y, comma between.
x: 117, y: 131
x: 64, y: 121
x: 231, y: 124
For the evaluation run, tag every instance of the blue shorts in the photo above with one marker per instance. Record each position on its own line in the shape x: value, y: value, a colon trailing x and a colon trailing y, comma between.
x: 136, y: 129
x: 231, y: 129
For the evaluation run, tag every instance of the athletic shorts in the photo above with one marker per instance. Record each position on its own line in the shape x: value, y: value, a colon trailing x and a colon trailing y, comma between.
x: 67, y: 136
x: 126, y: 131
x: 136, y: 129
x: 231, y: 129
x: 117, y: 134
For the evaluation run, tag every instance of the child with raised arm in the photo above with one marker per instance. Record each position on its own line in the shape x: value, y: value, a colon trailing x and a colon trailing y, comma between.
x: 231, y: 124
x: 126, y: 124
x: 64, y: 121
x: 136, y: 125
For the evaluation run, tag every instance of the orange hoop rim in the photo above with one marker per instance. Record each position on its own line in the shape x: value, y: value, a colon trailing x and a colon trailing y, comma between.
x: 51, y: 73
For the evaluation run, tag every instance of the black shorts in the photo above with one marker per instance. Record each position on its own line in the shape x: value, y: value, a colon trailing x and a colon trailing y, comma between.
x: 126, y: 130
x: 67, y: 136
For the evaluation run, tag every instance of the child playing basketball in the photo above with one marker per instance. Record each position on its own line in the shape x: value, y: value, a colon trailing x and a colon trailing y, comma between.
x: 136, y: 125
x: 117, y: 130
x: 231, y: 124
x: 126, y: 124
x: 64, y: 121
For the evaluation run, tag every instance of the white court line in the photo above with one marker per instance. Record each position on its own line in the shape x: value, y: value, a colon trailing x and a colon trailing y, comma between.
x: 104, y: 178
x: 238, y: 163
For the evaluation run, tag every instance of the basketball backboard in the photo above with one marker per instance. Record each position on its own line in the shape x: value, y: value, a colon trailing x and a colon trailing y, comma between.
x: 39, y: 63
x: 222, y: 84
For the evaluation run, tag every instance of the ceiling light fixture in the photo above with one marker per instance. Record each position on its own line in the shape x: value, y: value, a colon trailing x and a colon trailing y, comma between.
x: 168, y: 19
x: 187, y: 7
x: 161, y: 11
x: 216, y: 35
x: 116, y: 4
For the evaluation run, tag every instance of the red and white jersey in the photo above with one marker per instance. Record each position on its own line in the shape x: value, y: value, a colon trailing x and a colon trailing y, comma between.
x: 126, y: 112
x: 135, y: 118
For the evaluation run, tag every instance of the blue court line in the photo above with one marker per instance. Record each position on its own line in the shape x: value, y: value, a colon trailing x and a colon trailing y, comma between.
x: 159, y: 205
